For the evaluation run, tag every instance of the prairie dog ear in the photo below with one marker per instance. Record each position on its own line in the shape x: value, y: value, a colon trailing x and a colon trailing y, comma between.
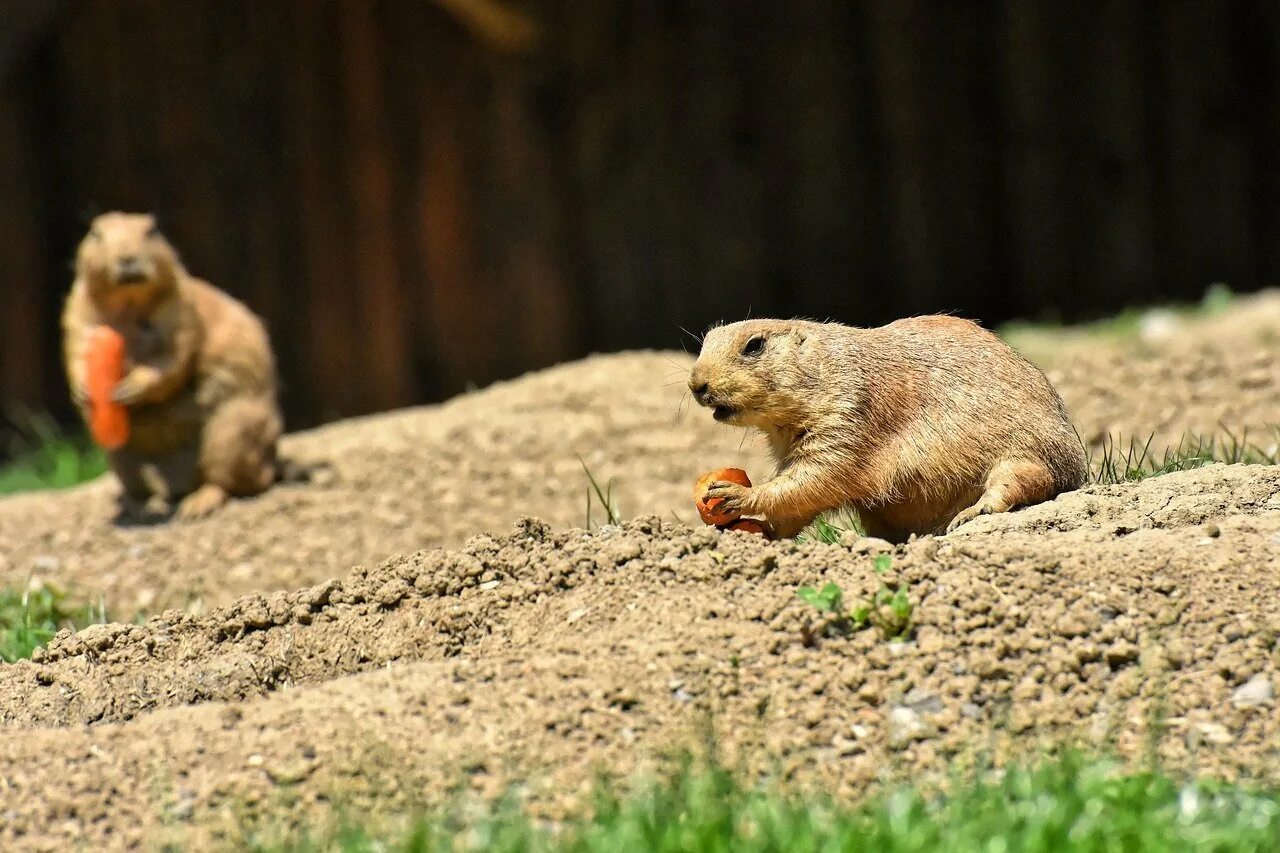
x: 799, y: 335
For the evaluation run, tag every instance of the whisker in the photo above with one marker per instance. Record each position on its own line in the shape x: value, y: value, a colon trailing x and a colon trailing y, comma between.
x: 680, y: 408
x: 697, y: 340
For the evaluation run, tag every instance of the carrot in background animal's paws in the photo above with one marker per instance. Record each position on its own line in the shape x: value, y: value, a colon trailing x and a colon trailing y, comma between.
x: 108, y: 420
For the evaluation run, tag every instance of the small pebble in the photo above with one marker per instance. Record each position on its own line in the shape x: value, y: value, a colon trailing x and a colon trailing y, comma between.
x: 1256, y: 691
x: 904, y: 726
x: 1214, y: 733
x: 47, y: 564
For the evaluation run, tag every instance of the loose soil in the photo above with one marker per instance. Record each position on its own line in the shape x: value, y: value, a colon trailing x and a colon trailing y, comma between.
x: 529, y: 655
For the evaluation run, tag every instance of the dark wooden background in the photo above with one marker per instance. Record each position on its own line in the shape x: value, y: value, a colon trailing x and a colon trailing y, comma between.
x: 420, y: 195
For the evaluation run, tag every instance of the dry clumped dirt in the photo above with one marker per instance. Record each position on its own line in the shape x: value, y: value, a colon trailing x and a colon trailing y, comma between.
x: 527, y: 654
x: 393, y: 484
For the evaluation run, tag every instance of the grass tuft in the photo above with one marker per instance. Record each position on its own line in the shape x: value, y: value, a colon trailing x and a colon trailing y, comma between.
x: 604, y: 495
x: 30, y: 617
x: 44, y: 456
x: 1115, y: 460
x: 830, y: 527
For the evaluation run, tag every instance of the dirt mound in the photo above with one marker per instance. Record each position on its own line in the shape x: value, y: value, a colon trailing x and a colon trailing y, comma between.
x: 537, y: 657
x: 541, y: 656
x: 1171, y: 375
x: 392, y: 484
x: 433, y: 476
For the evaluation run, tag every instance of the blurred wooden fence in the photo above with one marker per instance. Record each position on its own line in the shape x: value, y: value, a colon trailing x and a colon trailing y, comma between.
x: 421, y: 195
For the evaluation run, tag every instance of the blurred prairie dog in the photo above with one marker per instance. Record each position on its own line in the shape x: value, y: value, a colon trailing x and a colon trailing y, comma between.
x: 919, y: 426
x: 200, y: 377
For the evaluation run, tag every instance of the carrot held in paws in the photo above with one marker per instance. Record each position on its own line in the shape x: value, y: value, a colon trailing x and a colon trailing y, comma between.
x: 108, y: 420
x: 708, y: 508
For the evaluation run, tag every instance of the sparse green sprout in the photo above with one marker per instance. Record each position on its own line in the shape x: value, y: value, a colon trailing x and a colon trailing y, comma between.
x: 890, y: 610
x: 829, y: 599
x: 830, y: 602
x: 605, y: 496
x: 860, y: 615
x: 825, y: 531
x: 829, y: 528
x: 892, y: 613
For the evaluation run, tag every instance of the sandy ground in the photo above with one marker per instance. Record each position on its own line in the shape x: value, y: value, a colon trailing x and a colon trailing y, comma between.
x: 472, y: 647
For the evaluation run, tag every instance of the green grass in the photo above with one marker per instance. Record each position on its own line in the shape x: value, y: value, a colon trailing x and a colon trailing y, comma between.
x: 603, y: 495
x: 1126, y: 324
x: 828, y: 528
x: 1069, y: 803
x: 890, y: 609
x: 43, y: 456
x: 1117, y: 460
x: 30, y: 617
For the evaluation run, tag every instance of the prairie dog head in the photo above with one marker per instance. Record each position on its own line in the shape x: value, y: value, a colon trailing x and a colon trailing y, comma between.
x: 126, y: 262
x: 755, y: 373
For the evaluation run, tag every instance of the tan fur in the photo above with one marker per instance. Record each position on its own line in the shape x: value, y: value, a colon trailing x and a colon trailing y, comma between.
x: 200, y: 380
x: 919, y: 425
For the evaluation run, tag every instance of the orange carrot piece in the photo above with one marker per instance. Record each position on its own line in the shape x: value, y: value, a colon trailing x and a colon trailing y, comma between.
x: 707, y: 508
x: 108, y: 420
x: 749, y: 525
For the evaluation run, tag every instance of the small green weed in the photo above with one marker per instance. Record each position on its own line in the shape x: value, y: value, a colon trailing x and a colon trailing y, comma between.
x: 30, y: 617
x: 605, y: 496
x: 829, y: 528
x: 46, y: 457
x: 890, y: 610
x: 892, y: 613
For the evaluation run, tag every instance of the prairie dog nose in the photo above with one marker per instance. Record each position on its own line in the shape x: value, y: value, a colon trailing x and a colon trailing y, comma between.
x: 129, y: 268
x: 697, y: 380
x: 700, y: 387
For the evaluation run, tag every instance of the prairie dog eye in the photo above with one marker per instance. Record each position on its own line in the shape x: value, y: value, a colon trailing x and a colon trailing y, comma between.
x: 153, y: 232
x: 755, y: 346
x: 95, y: 233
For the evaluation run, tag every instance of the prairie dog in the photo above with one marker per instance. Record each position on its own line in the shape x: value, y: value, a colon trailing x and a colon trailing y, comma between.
x: 200, y: 377
x: 919, y: 426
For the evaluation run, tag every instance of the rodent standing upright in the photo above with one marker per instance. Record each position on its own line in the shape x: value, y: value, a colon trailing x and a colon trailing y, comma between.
x: 919, y: 426
x: 200, y: 377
